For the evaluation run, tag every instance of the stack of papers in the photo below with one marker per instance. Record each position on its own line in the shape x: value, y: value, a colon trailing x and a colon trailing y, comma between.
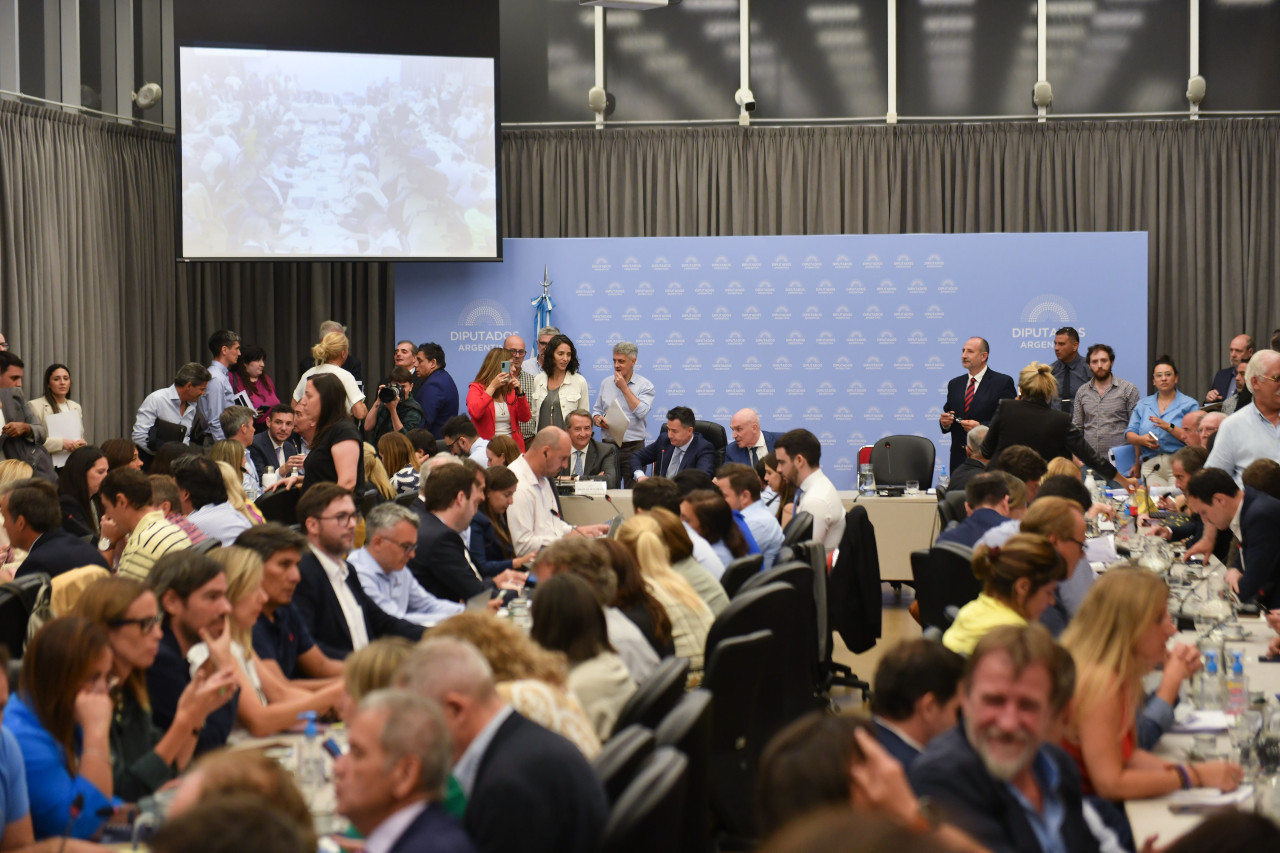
x: 1197, y: 722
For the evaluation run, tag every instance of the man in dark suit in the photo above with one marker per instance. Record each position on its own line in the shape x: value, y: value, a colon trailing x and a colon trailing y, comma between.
x: 986, y: 498
x: 32, y: 518
x: 24, y: 434
x: 351, y: 365
x: 528, y: 789
x: 972, y: 397
x: 275, y: 445
x: 1014, y: 694
x: 448, y: 500
x: 390, y: 787
x: 438, y: 393
x: 750, y: 443
x: 329, y: 597
x: 1224, y: 381
x: 915, y: 697
x: 1217, y: 499
x: 974, y: 462
x: 590, y: 458
x: 681, y: 448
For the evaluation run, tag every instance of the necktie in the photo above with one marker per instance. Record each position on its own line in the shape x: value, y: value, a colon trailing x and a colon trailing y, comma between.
x: 754, y: 457
x: 795, y: 504
x: 968, y: 394
x: 1066, y: 384
x: 673, y: 467
x: 280, y: 457
x: 578, y: 462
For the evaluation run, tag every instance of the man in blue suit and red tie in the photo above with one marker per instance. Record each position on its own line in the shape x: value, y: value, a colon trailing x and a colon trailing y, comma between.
x: 972, y: 397
x: 681, y: 448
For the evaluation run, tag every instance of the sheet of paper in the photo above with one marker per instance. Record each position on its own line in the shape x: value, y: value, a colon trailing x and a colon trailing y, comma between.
x: 242, y: 399
x: 64, y: 425
x: 617, y: 420
x: 1202, y: 721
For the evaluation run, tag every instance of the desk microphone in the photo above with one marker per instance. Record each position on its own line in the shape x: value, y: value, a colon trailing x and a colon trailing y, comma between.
x: 614, y: 507
x: 77, y: 806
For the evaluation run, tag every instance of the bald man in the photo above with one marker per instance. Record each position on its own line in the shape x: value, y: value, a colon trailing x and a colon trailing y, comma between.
x: 1224, y: 381
x: 534, y: 516
x: 1189, y: 430
x: 750, y: 443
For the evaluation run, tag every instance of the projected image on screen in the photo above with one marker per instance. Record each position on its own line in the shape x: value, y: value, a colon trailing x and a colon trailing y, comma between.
x: 293, y: 154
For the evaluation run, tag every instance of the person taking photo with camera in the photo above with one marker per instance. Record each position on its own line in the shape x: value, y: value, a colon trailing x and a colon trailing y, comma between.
x: 393, y: 409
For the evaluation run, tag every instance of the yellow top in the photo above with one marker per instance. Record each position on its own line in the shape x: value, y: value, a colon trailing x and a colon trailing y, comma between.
x: 975, y: 619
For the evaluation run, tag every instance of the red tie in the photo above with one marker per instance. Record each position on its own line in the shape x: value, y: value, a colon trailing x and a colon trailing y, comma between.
x: 968, y: 394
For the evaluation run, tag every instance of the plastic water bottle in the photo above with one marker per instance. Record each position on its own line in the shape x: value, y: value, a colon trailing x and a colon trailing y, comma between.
x: 269, y: 478
x: 310, y: 759
x: 1237, y: 686
x: 1211, y: 684
x: 944, y: 479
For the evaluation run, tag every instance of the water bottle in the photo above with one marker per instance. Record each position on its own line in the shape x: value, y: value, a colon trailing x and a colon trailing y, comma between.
x: 1211, y: 684
x: 1091, y: 484
x: 1237, y: 686
x: 866, y: 480
x: 310, y: 759
x: 270, y: 478
x: 944, y: 479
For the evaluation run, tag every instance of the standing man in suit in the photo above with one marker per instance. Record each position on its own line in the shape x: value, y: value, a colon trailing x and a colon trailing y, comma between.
x: 390, y: 783
x: 1240, y: 349
x: 972, y: 398
x: 329, y: 597
x: 750, y: 443
x: 33, y: 520
x: 1254, y: 517
x: 501, y: 760
x: 590, y: 458
x: 681, y: 448
x: 23, y: 434
x: 634, y: 395
x: 916, y: 697
x: 275, y: 447
x: 438, y: 393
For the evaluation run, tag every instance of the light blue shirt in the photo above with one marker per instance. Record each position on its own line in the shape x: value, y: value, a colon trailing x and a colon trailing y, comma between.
x: 637, y: 426
x: 1140, y: 421
x: 1245, y: 436
x: 162, y: 405
x: 217, y: 397
x: 220, y: 521
x: 399, y: 593
x: 766, y: 529
x: 1046, y: 822
x: 466, y: 767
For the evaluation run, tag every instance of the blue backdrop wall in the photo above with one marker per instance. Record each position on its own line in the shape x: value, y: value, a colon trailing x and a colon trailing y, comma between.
x: 851, y: 337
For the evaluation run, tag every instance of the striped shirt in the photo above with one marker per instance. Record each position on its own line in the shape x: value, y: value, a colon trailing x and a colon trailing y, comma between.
x: 150, y: 540
x: 528, y: 428
x: 1104, y: 418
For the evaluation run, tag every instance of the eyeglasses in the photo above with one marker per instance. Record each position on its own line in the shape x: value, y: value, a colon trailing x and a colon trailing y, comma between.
x: 1275, y: 378
x: 452, y: 443
x: 144, y: 625
x: 407, y: 547
x: 1079, y: 542
x: 341, y: 518
x: 516, y: 352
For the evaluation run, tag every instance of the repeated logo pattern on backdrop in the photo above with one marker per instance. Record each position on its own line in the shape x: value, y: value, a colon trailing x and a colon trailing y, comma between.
x: 851, y: 337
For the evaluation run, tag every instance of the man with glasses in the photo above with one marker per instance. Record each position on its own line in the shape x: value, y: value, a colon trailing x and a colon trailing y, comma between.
x: 127, y: 513
x: 533, y: 365
x: 461, y: 438
x: 329, y: 597
x: 514, y: 345
x: 1253, y: 432
x: 391, y: 533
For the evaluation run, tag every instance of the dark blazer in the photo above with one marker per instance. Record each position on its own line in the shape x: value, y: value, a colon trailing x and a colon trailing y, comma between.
x: 263, y: 452
x: 993, y: 388
x: 351, y: 365
x: 438, y: 397
x: 601, y: 459
x: 440, y: 563
x: 57, y: 551
x: 485, y: 548
x: 952, y: 774
x: 516, y: 804
x: 167, y: 677
x: 1260, y: 547
x: 960, y: 476
x: 698, y: 454
x: 969, y: 531
x: 318, y: 606
x: 1224, y: 382
x: 1046, y: 431
x: 74, y: 518
x: 433, y: 831
x: 896, y: 746
x: 30, y: 447
x: 734, y: 453
x: 853, y: 584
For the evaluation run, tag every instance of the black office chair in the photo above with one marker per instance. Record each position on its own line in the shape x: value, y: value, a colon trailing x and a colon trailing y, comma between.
x: 281, y: 506
x: 204, y: 546
x: 688, y: 729
x: 943, y: 579
x: 442, y: 446
x: 621, y: 758
x: 951, y: 508
x: 647, y: 817
x: 656, y: 696
x: 799, y: 529
x: 712, y: 432
x: 406, y: 499
x: 898, y: 458
x: 15, y: 611
x: 737, y: 572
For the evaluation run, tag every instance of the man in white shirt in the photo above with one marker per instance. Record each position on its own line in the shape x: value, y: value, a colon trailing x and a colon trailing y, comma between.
x: 534, y: 515
x: 635, y: 395
x: 224, y: 344
x: 391, y: 537
x: 799, y: 453
x: 740, y: 486
x: 204, y: 499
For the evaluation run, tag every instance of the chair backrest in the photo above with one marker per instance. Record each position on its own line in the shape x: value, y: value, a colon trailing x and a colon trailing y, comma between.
x: 712, y: 432
x: 407, y: 499
x: 656, y: 696
x: 944, y: 578
x: 737, y: 572
x: 442, y: 446
x: 647, y: 817
x: 688, y: 729
x: 14, y: 613
x: 204, y: 546
x: 898, y: 458
x: 798, y: 529
x: 621, y: 758
x: 281, y: 506
x: 951, y: 508
x: 864, y: 454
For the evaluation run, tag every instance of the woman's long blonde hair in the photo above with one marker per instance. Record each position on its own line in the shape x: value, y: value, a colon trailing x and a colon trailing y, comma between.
x: 332, y: 349
x: 244, y: 575
x: 375, y: 472
x: 511, y: 654
x: 235, y: 490
x: 642, y: 536
x: 1102, y: 636
x: 491, y: 366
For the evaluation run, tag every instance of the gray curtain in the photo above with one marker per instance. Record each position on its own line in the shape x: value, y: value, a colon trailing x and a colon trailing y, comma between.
x: 1207, y: 192
x: 88, y: 277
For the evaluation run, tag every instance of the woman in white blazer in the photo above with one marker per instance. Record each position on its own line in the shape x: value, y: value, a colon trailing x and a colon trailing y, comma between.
x: 56, y: 400
x: 559, y: 389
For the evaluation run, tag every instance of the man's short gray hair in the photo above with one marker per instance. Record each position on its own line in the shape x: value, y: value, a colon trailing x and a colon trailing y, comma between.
x: 330, y: 326
x: 443, y: 665
x: 411, y: 344
x: 415, y: 726
x: 233, y: 418
x: 626, y: 348
x: 432, y: 464
x: 975, y: 438
x: 386, y: 516
x: 192, y: 373
x: 548, y: 330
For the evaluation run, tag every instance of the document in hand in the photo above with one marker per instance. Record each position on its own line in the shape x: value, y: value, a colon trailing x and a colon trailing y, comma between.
x: 617, y: 420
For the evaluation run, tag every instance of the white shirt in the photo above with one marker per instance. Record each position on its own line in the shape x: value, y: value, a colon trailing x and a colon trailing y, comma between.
x: 479, y: 452
x: 704, y: 553
x: 532, y: 517
x: 337, y: 573
x: 819, y: 499
x: 631, y: 645
x: 354, y: 394
x: 386, y: 834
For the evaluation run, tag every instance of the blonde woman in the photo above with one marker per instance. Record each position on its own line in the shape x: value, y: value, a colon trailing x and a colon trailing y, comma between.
x: 1116, y: 638
x: 236, y: 455
x: 690, y: 616
x: 268, y: 702
x: 11, y: 471
x: 559, y: 389
x: 375, y: 474
x: 235, y: 493
x: 329, y: 355
x: 1062, y: 466
x: 371, y: 668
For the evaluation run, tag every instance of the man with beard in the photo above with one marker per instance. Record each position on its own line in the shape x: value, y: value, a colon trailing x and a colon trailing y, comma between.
x: 1104, y: 404
x: 997, y: 776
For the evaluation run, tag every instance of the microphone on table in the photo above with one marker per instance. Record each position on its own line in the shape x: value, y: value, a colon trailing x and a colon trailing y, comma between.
x: 614, y: 507
x: 77, y: 806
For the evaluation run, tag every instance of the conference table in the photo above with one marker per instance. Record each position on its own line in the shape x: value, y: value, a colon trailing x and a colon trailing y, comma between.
x: 903, y: 523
